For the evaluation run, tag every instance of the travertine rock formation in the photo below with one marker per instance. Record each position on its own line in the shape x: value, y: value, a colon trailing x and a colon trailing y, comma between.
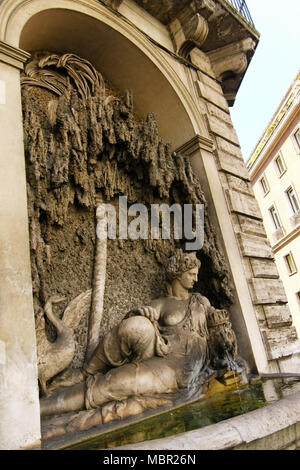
x: 83, y: 140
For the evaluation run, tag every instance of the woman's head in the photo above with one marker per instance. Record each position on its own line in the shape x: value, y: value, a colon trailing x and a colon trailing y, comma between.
x: 179, y: 265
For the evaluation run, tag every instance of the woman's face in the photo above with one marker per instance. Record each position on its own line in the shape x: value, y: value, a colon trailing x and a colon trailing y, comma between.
x: 188, y: 279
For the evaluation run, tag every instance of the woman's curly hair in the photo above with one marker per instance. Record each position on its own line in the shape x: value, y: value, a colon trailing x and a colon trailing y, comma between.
x: 179, y: 263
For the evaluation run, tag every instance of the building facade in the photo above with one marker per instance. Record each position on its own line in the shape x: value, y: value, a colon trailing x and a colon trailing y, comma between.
x: 184, y: 62
x: 274, y: 170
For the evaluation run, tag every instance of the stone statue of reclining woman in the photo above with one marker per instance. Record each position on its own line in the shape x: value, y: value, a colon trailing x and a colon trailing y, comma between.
x: 170, y: 346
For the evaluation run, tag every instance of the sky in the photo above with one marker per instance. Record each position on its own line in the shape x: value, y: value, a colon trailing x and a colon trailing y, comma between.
x: 272, y: 69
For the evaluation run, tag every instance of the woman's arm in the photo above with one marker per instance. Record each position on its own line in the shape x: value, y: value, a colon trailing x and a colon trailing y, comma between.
x: 152, y: 311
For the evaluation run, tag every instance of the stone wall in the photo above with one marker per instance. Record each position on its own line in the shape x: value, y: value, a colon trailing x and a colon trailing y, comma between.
x: 267, y: 291
x: 17, y: 335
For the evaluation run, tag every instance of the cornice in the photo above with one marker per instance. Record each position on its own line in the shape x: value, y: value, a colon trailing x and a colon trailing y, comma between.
x: 195, y: 144
x: 13, y: 56
x: 262, y: 159
x: 285, y: 110
x: 287, y: 239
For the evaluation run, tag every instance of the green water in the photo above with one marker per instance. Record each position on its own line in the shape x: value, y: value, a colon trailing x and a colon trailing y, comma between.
x: 221, y: 406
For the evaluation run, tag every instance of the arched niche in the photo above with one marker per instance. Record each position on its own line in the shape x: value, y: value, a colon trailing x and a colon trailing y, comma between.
x: 118, y: 50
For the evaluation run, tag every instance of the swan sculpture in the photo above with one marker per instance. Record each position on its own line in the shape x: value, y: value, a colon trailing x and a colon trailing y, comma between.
x: 57, y: 356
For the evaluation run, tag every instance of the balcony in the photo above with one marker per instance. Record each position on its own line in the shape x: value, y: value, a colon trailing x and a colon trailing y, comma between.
x: 223, y: 29
x: 241, y: 7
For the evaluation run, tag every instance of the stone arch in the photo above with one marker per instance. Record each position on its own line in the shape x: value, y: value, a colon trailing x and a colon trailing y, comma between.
x: 32, y: 25
x: 78, y: 27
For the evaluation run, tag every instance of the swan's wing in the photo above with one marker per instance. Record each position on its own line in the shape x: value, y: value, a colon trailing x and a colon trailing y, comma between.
x: 77, y: 308
x: 76, y: 316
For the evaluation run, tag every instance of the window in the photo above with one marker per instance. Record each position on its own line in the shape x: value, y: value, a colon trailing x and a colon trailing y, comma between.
x: 281, y: 168
x: 264, y: 185
x: 293, y: 200
x: 290, y: 263
x: 275, y: 217
x: 297, y: 138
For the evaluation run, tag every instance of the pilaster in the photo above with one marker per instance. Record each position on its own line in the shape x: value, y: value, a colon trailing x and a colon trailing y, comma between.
x: 12, y: 56
x: 19, y: 400
x: 243, y: 315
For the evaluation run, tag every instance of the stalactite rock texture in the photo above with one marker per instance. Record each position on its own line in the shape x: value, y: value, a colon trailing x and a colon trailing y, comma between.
x: 82, y: 140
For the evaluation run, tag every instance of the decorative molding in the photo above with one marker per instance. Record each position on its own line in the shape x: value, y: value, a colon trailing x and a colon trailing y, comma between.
x: 115, y: 4
x: 229, y: 64
x: 195, y: 31
x: 195, y: 144
x: 286, y: 239
x: 13, y: 56
x: 284, y: 111
x: 232, y: 58
x: 189, y: 29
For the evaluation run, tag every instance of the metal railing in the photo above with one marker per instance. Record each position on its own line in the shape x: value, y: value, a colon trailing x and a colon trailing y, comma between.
x: 241, y: 7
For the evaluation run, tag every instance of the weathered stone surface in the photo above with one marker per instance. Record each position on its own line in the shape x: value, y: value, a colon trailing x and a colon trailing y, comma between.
x: 239, y: 184
x: 219, y: 113
x: 282, y: 342
x: 277, y: 315
x: 251, y: 226
x: 291, y: 364
x: 227, y: 147
x: 298, y: 433
x: 200, y: 59
x: 19, y: 401
x: 254, y: 246
x: 230, y: 164
x: 243, y: 204
x: 219, y: 127
x: 264, y: 268
x: 211, y: 82
x: 290, y: 447
x: 247, y: 268
x: 260, y: 314
x: 282, y: 440
x: 209, y: 94
x: 216, y: 437
x: 266, y: 291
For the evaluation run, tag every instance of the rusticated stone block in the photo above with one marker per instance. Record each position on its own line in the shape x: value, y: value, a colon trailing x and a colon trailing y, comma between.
x: 281, y: 342
x: 209, y: 94
x: 254, y: 246
x: 239, y: 184
x: 277, y: 315
x: 219, y: 114
x: 211, y: 82
x: 251, y: 226
x: 291, y: 364
x: 243, y: 204
x: 260, y: 315
x: 231, y: 164
x: 267, y: 291
x: 200, y: 59
x: 221, y: 128
x: 227, y: 147
x: 264, y: 268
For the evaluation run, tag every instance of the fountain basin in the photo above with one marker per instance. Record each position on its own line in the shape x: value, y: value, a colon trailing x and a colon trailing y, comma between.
x: 273, y: 427
x: 261, y: 415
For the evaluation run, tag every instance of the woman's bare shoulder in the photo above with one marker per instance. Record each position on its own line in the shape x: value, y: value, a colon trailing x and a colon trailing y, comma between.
x: 159, y: 302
